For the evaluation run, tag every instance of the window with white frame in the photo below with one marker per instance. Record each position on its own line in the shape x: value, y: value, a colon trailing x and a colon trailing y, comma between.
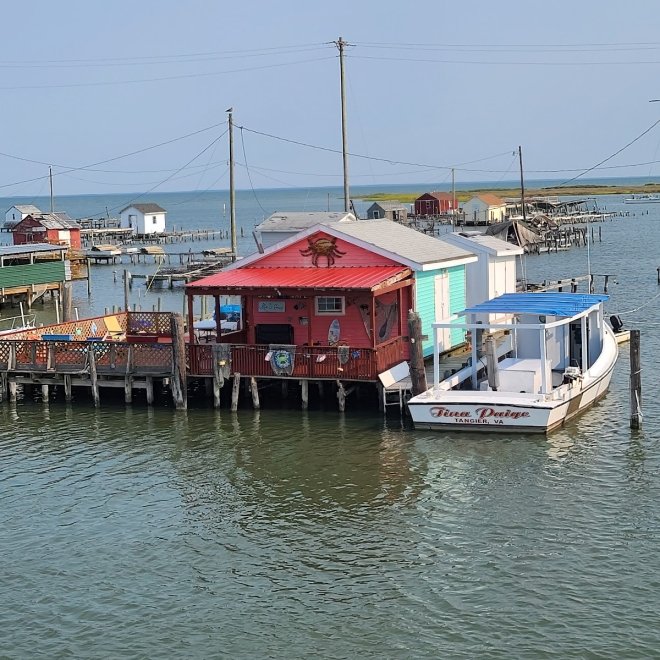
x: 153, y: 219
x: 329, y: 304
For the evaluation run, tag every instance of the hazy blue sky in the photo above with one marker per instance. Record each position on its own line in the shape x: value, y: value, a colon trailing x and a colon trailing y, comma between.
x: 430, y: 83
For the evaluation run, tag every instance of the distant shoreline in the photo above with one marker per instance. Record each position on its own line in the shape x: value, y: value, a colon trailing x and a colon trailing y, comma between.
x: 550, y: 191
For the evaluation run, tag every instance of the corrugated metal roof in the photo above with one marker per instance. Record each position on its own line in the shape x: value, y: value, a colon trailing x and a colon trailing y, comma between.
x: 548, y: 304
x: 27, y: 248
x: 148, y: 207
x: 487, y: 243
x: 358, y: 277
x: 390, y: 206
x: 297, y: 220
x: 28, y: 209
x: 58, y: 220
x: 402, y: 241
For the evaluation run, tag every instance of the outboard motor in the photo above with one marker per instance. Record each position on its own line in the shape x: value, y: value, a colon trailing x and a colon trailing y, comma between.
x: 616, y: 323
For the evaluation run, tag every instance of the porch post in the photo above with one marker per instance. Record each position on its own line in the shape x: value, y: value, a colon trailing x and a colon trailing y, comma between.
x: 544, y: 365
x: 475, y: 338
x: 585, y: 347
x: 373, y: 321
x: 309, y: 308
x: 191, y: 320
x: 436, y: 358
x: 399, y: 298
x: 218, y: 322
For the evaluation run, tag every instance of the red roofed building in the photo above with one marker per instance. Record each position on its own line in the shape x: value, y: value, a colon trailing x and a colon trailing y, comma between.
x: 54, y: 228
x: 328, y: 303
x: 434, y: 203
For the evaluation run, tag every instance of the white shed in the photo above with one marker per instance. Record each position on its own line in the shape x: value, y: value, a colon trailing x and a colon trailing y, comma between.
x: 143, y: 218
x: 283, y: 225
x: 484, y: 209
x: 494, y: 272
x: 18, y: 212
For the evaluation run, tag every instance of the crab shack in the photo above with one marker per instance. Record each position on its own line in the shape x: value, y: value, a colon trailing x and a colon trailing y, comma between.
x: 330, y: 302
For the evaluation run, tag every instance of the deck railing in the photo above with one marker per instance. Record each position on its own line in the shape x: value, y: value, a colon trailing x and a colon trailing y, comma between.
x: 313, y: 362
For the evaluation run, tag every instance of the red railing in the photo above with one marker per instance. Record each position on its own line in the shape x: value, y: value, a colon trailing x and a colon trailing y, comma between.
x: 322, y: 362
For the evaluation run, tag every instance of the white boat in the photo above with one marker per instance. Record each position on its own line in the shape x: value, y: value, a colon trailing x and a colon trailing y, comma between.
x: 642, y: 199
x: 13, y: 324
x: 548, y: 357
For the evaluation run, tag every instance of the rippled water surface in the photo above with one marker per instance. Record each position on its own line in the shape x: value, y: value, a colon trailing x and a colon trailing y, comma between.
x: 135, y: 533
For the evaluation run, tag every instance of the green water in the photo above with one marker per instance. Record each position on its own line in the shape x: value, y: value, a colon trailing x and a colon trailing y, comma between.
x: 129, y: 532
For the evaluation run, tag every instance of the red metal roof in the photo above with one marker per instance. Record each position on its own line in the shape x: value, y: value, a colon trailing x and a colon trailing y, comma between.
x: 356, y: 277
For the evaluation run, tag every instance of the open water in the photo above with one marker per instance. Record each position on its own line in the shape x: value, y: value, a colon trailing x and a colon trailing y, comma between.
x: 134, y: 533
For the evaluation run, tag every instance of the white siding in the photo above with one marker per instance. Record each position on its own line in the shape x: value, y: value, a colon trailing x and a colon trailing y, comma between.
x: 143, y: 223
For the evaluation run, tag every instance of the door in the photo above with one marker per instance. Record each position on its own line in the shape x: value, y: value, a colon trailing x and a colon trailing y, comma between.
x: 274, y: 333
x: 442, y: 309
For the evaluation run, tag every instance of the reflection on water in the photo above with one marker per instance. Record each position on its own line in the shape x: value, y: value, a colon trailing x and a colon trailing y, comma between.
x: 139, y: 532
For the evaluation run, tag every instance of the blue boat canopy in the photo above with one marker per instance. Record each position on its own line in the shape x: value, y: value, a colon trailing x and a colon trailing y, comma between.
x: 548, y: 304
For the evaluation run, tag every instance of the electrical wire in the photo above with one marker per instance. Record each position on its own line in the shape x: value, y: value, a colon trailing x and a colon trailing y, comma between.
x: 616, y: 153
x: 247, y: 169
x: 183, y: 76
x: 107, y: 160
x: 166, y: 179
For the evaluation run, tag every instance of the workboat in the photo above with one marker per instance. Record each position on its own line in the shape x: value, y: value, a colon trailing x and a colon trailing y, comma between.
x: 537, y: 360
x: 642, y: 199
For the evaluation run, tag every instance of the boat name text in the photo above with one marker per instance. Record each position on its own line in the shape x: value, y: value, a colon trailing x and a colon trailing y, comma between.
x: 484, y: 415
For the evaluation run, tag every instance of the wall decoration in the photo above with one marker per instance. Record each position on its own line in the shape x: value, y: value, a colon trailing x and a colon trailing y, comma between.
x: 322, y: 247
x: 385, y: 317
x: 334, y: 332
x: 271, y: 306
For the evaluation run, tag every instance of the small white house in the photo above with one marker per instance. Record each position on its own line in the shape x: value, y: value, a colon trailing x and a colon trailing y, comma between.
x: 283, y: 225
x: 484, y: 209
x: 143, y: 218
x: 17, y: 213
x: 494, y: 272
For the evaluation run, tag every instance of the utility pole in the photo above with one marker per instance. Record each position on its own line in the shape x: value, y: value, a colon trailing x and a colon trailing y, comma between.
x: 50, y: 177
x: 340, y: 43
x: 522, y: 185
x: 453, y: 197
x: 232, y: 191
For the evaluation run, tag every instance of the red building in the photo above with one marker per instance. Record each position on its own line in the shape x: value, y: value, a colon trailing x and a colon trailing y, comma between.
x: 318, y: 305
x: 54, y: 228
x: 434, y: 203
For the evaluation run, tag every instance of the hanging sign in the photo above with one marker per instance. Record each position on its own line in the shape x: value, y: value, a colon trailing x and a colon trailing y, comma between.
x: 271, y: 306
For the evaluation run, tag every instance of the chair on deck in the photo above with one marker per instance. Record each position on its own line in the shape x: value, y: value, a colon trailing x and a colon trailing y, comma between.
x: 114, y: 331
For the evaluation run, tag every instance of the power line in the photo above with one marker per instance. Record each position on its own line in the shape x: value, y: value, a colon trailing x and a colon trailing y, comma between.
x: 102, y: 162
x: 166, y: 179
x: 616, y: 153
x: 183, y: 76
x: 247, y: 169
x: 266, y: 50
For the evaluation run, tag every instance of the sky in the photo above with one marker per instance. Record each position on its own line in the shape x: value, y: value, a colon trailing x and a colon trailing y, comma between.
x: 430, y: 85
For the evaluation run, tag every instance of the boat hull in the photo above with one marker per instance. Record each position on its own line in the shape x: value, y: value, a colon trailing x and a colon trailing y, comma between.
x: 449, y: 413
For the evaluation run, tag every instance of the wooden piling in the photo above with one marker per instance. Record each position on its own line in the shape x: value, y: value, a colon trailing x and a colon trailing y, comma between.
x: 93, y: 378
x: 67, y: 388
x: 417, y: 371
x: 13, y: 390
x: 635, y: 381
x: 45, y: 392
x: 341, y: 396
x: 235, y: 390
x: 178, y: 384
x: 304, y: 394
x: 218, y: 377
x: 254, y: 389
x: 67, y: 302
x: 149, y: 383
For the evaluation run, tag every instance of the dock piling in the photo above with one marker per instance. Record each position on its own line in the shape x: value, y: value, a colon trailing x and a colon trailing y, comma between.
x: 635, y: 381
x: 235, y: 390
